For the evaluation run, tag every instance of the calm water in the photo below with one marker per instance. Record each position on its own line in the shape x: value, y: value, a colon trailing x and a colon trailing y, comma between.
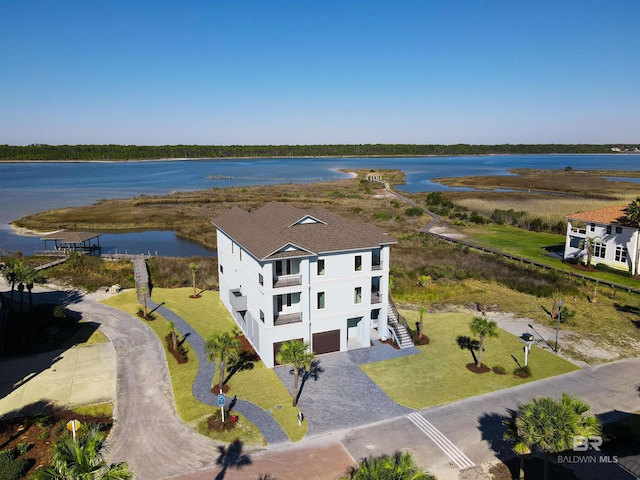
x: 33, y: 187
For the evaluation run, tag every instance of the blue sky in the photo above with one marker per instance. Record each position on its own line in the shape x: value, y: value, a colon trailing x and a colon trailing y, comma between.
x: 308, y: 71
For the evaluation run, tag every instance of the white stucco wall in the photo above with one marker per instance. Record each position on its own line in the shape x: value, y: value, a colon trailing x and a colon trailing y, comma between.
x: 241, y: 271
x: 628, y: 238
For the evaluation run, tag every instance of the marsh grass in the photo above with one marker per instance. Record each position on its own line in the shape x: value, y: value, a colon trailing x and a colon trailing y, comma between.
x: 613, y: 317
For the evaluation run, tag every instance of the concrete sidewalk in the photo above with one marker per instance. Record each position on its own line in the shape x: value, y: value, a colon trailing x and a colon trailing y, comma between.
x: 76, y: 376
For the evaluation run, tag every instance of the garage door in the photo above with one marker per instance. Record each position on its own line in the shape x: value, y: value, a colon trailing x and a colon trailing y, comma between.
x: 325, y: 342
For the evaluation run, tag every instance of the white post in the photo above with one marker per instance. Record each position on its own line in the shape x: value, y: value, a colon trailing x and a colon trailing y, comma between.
x: 526, y: 355
x: 73, y: 429
x: 222, y: 410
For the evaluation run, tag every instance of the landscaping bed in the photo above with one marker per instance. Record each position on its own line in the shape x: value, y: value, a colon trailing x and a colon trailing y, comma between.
x: 31, y: 438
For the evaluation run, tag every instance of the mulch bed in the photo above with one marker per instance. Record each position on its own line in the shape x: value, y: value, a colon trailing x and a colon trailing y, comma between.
x: 180, y: 356
x: 195, y: 296
x: 472, y: 367
x: 216, y: 389
x: 214, y: 422
x: 417, y: 341
x: 389, y: 341
x: 146, y: 317
x: 39, y: 438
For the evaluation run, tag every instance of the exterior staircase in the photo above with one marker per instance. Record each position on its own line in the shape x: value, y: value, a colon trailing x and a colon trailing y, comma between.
x: 398, y: 330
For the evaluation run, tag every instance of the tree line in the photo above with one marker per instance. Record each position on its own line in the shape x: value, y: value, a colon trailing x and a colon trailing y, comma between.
x: 149, y: 152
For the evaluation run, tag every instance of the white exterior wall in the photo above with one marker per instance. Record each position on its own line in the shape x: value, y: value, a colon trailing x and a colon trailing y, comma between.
x: 627, y: 238
x: 241, y: 271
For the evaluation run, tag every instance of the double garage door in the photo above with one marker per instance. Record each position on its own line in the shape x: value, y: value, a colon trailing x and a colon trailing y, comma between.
x: 323, y: 342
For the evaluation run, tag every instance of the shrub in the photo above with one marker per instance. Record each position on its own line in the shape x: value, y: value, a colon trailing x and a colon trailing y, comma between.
x: 475, y: 217
x: 522, y: 372
x: 382, y: 216
x: 500, y: 370
x: 12, y: 468
x: 59, y: 312
x: 413, y: 212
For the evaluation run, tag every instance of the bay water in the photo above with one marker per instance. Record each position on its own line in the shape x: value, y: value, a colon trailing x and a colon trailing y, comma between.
x: 29, y: 187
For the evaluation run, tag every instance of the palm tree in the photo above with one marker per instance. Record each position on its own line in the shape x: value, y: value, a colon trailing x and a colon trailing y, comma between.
x: 399, y: 466
x: 223, y: 348
x: 512, y: 435
x: 551, y: 426
x: 588, y: 245
x: 297, y: 354
x: 193, y: 267
x: 82, y: 459
x: 12, y: 272
x: 421, y: 324
x: 31, y: 276
x: 483, y: 328
x: 554, y: 308
x: 633, y: 214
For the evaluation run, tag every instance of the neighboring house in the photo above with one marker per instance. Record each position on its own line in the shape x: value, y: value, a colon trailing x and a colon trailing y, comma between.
x: 614, y: 235
x: 286, y: 273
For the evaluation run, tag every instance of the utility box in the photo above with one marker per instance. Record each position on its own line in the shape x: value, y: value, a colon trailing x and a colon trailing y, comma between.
x: 527, y: 337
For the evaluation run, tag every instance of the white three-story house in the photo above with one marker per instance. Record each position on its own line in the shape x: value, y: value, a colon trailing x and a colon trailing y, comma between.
x: 286, y: 273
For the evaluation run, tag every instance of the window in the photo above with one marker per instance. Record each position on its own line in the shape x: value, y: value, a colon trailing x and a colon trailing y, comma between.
x: 221, y: 269
x: 232, y: 247
x: 608, y: 229
x: 357, y: 297
x: 320, y: 300
x: 358, y: 263
x: 260, y: 279
x: 375, y: 314
x: 618, y: 229
x: 621, y: 254
x: 261, y: 316
x: 321, y: 266
x: 599, y: 250
x: 592, y: 227
x: 240, y: 254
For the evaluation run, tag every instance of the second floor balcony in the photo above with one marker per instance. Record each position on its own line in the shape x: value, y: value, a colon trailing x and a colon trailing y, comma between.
x: 287, y: 281
x: 285, y: 318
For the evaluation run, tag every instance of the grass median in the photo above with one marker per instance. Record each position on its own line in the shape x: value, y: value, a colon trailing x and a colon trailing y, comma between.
x: 259, y: 385
x: 438, y: 374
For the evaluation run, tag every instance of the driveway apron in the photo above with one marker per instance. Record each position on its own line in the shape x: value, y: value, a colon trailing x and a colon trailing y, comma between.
x: 338, y: 394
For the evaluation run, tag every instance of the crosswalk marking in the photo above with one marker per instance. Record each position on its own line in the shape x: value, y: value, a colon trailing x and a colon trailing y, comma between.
x: 453, y: 452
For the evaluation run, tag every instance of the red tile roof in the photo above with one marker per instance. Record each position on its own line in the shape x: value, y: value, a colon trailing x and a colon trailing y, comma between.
x: 608, y: 216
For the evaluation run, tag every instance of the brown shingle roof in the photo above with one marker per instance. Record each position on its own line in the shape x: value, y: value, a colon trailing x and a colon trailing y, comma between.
x: 70, y: 237
x: 608, y: 216
x: 275, y: 226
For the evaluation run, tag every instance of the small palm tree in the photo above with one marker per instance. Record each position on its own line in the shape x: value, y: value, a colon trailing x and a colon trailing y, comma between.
x: 554, y: 308
x: 31, y: 276
x: 588, y: 245
x: 223, y: 348
x: 82, y: 459
x: 421, y: 324
x: 12, y: 272
x: 483, y: 328
x: 194, y: 268
x: 297, y: 354
x: 399, y: 466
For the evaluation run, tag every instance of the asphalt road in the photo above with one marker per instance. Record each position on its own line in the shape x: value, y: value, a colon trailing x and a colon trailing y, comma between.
x: 474, y: 425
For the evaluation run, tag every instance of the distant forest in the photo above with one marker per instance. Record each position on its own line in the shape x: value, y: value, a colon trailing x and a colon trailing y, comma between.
x: 135, y: 152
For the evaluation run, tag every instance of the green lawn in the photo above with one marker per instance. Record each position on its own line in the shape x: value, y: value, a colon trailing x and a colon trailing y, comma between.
x: 438, y: 374
x: 207, y: 315
x: 531, y: 245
